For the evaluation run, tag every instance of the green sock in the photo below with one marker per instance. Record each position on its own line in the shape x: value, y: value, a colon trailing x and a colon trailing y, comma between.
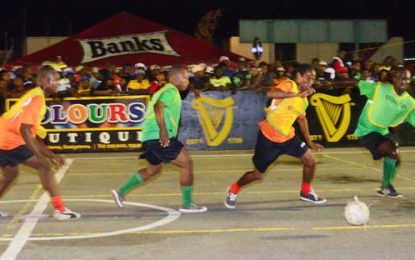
x: 187, y: 195
x: 133, y: 182
x: 389, y: 171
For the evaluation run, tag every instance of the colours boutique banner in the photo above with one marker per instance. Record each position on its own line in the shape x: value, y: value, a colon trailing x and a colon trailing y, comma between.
x: 94, y: 123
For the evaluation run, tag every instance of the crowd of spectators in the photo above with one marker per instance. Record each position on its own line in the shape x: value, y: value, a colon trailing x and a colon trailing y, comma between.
x: 136, y: 79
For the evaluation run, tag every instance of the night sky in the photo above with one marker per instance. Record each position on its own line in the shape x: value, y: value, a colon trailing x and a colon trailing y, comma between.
x: 66, y: 17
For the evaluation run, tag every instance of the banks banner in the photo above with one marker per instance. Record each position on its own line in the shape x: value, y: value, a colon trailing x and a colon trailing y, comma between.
x: 94, y: 123
x: 154, y: 42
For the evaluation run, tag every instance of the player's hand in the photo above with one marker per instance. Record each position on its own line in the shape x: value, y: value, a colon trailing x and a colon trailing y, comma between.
x: 316, y: 147
x: 307, y: 92
x: 164, y: 139
x: 58, y: 160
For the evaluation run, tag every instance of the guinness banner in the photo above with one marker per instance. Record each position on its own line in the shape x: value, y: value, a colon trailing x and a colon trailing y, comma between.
x: 154, y: 42
x: 215, y: 121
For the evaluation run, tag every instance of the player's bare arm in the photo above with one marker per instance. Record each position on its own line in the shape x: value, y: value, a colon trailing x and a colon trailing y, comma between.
x: 164, y: 136
x: 303, y: 124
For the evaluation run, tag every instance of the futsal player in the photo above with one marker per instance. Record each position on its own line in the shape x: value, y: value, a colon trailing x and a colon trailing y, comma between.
x: 160, y: 144
x: 277, y: 135
x: 388, y: 105
x: 20, y: 130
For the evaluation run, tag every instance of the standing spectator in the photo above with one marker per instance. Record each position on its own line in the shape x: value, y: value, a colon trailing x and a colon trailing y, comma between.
x: 159, y: 81
x: 199, y: 81
x: 355, y: 71
x: 139, y: 85
x: 225, y: 62
x: 242, y: 79
x: 220, y: 81
x: 268, y: 75
x: 315, y: 63
x: 339, y: 63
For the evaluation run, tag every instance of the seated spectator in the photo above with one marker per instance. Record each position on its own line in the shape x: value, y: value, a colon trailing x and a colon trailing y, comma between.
x: 220, y: 81
x: 139, y: 85
x: 321, y: 72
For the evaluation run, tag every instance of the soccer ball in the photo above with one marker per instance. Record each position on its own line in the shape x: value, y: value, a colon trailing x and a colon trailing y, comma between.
x: 356, y: 212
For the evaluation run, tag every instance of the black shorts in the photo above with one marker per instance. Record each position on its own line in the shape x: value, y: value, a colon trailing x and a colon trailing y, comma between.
x: 372, y: 142
x: 15, y: 156
x: 266, y: 151
x: 155, y: 154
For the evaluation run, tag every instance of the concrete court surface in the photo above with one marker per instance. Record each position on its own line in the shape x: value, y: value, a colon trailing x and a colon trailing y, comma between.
x: 270, y: 222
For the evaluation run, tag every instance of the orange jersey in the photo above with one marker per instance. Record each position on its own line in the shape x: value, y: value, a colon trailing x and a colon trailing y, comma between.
x: 282, y: 113
x: 29, y: 109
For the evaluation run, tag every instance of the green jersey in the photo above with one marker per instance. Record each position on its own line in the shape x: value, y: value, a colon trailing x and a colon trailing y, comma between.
x: 169, y: 95
x: 384, y: 108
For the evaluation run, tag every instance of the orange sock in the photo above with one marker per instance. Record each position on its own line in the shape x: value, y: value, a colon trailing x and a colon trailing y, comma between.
x: 235, y: 188
x: 305, y: 188
x: 57, y: 203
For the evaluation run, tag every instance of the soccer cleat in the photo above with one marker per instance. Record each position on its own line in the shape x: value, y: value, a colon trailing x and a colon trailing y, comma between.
x: 118, y: 198
x: 4, y: 214
x: 230, y: 201
x: 312, y: 197
x: 66, y: 215
x: 193, y: 208
x: 389, y: 192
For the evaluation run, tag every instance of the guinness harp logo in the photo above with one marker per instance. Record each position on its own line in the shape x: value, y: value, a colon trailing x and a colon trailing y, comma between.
x: 333, y: 113
x: 216, y: 118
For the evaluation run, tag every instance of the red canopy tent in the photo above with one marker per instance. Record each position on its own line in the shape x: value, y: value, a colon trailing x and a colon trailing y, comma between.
x: 125, y: 38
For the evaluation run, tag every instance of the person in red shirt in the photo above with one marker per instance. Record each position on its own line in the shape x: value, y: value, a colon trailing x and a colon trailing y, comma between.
x: 20, y: 133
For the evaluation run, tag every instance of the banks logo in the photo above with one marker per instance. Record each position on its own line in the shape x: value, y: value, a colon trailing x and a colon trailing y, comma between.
x: 216, y: 118
x: 334, y: 114
x: 154, y: 42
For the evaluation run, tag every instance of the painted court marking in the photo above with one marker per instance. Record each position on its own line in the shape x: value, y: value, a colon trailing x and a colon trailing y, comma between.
x: 21, y: 237
x: 172, y: 215
x: 220, y: 155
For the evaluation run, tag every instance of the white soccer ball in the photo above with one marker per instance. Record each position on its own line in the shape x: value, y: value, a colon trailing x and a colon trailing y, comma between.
x: 356, y: 212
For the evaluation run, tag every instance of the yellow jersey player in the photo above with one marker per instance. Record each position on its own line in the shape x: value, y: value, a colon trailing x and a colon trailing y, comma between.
x: 277, y: 135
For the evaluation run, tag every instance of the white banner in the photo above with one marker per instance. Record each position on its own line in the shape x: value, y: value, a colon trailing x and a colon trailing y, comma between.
x: 154, y: 42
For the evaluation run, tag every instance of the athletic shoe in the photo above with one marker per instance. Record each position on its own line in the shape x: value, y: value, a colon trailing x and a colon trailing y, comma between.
x: 193, y: 208
x: 118, y: 198
x: 230, y: 201
x: 66, y: 215
x: 389, y: 192
x: 312, y: 197
x: 4, y: 214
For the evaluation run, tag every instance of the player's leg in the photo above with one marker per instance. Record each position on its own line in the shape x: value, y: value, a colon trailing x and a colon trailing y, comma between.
x: 309, y: 166
x: 391, y: 160
x: 185, y: 163
x: 266, y: 152
x: 136, y: 179
x: 153, y: 153
x: 383, y: 147
x: 297, y: 148
x: 9, y: 173
x: 49, y: 183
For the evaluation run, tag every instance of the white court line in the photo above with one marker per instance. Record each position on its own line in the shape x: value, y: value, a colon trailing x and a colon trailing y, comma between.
x: 31, y: 221
x: 172, y: 215
x: 218, y: 156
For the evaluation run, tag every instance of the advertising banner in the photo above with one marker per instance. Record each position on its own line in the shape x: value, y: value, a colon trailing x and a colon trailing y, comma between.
x: 94, y: 123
